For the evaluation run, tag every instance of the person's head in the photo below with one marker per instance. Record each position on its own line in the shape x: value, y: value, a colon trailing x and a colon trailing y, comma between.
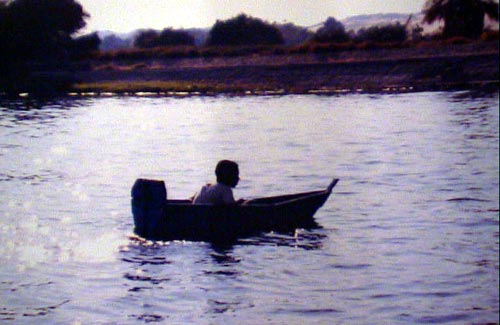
x: 227, y: 173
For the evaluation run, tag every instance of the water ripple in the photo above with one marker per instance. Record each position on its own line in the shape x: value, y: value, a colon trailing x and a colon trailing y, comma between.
x: 465, y: 199
x: 145, y: 278
x: 443, y: 319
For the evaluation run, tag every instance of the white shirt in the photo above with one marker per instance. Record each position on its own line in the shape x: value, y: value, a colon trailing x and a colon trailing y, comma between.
x: 217, y: 194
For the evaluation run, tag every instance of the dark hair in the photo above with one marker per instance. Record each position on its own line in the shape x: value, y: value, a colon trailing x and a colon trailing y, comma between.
x: 227, y: 173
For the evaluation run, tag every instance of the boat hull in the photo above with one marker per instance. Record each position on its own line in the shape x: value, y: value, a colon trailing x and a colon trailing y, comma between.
x: 160, y: 219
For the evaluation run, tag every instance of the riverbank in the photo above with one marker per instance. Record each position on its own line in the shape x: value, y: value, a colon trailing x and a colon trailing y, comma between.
x: 438, y: 66
x: 452, y: 66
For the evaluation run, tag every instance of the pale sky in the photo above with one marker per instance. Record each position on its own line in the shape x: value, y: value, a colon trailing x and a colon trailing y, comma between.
x: 128, y: 15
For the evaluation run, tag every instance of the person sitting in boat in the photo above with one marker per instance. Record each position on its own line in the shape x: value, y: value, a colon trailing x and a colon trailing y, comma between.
x: 221, y: 193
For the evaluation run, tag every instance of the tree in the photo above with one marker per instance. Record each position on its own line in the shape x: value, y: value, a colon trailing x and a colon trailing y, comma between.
x: 38, y: 31
x: 461, y: 17
x: 244, y: 30
x: 384, y: 33
x: 49, y: 16
x: 35, y: 29
x: 332, y: 31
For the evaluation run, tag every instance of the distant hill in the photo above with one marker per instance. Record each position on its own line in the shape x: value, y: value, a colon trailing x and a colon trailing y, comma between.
x: 355, y: 23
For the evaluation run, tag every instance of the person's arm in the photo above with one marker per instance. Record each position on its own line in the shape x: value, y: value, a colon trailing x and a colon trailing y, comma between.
x: 231, y: 200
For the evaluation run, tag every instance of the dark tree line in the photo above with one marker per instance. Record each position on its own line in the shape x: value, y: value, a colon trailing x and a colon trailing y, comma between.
x: 333, y: 31
x: 239, y: 31
x: 43, y: 29
x: 461, y: 18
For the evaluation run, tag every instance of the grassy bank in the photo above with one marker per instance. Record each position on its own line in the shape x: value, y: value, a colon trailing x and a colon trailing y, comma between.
x: 167, y: 88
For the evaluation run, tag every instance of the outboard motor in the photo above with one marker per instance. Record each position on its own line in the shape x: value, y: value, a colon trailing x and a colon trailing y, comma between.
x: 148, y: 202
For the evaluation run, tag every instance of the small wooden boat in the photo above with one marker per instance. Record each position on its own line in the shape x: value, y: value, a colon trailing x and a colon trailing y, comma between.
x: 157, y: 218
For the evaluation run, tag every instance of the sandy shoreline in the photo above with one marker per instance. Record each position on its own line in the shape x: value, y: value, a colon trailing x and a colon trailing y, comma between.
x: 395, y: 70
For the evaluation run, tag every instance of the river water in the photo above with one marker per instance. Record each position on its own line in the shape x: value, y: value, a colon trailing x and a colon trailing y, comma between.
x: 410, y: 234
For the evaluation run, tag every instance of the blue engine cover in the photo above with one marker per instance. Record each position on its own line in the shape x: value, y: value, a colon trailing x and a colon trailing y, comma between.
x: 148, y: 201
